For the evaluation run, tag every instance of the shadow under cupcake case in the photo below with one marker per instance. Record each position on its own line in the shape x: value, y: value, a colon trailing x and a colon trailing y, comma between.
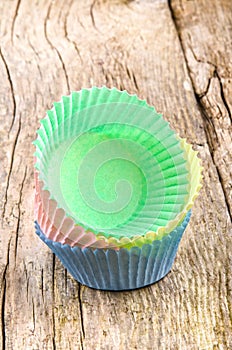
x: 114, y: 188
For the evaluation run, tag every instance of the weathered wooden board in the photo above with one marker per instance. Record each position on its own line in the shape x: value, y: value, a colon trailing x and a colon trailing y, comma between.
x: 176, y: 55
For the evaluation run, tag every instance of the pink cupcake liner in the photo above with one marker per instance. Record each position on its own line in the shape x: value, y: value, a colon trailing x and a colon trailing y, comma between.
x: 59, y: 228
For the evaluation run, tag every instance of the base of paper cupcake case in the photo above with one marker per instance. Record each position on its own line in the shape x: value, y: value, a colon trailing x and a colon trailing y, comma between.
x: 122, y: 269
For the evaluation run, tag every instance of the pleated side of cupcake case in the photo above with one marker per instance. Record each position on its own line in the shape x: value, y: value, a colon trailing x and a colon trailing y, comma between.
x: 122, y: 269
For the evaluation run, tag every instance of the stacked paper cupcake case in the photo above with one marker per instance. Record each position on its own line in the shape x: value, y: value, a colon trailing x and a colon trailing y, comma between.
x: 114, y: 188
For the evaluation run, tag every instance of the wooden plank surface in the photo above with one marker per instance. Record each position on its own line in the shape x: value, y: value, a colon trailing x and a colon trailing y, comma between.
x: 177, y: 55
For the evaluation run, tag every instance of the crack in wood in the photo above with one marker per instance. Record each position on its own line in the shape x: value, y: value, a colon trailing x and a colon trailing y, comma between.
x: 197, y: 58
x: 3, y: 309
x: 82, y: 333
x: 65, y: 280
x: 204, y: 93
x: 106, y: 76
x: 3, y: 302
x: 132, y: 78
x: 10, y: 172
x: 27, y: 278
x: 37, y: 56
x: 54, y: 48
x: 204, y: 114
x: 223, y: 312
x: 215, y: 74
x: 209, y: 127
x: 14, y: 20
x: 19, y: 212
x: 210, y: 135
x: 92, y: 14
x: 42, y: 284
x: 33, y: 315
x: 11, y: 89
x: 223, y: 95
x: 67, y: 35
x: 53, y: 297
x: 135, y: 81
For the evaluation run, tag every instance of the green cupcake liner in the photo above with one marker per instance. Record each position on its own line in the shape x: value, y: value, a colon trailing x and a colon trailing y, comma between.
x: 59, y: 228
x: 112, y: 163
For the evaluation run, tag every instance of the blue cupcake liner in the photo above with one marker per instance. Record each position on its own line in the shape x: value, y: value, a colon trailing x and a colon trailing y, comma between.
x: 124, y: 269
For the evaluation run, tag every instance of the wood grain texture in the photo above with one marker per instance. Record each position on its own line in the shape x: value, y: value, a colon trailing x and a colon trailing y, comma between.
x: 175, y: 54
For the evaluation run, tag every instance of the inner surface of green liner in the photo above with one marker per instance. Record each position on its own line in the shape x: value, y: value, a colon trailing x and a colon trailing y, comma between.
x: 115, y: 168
